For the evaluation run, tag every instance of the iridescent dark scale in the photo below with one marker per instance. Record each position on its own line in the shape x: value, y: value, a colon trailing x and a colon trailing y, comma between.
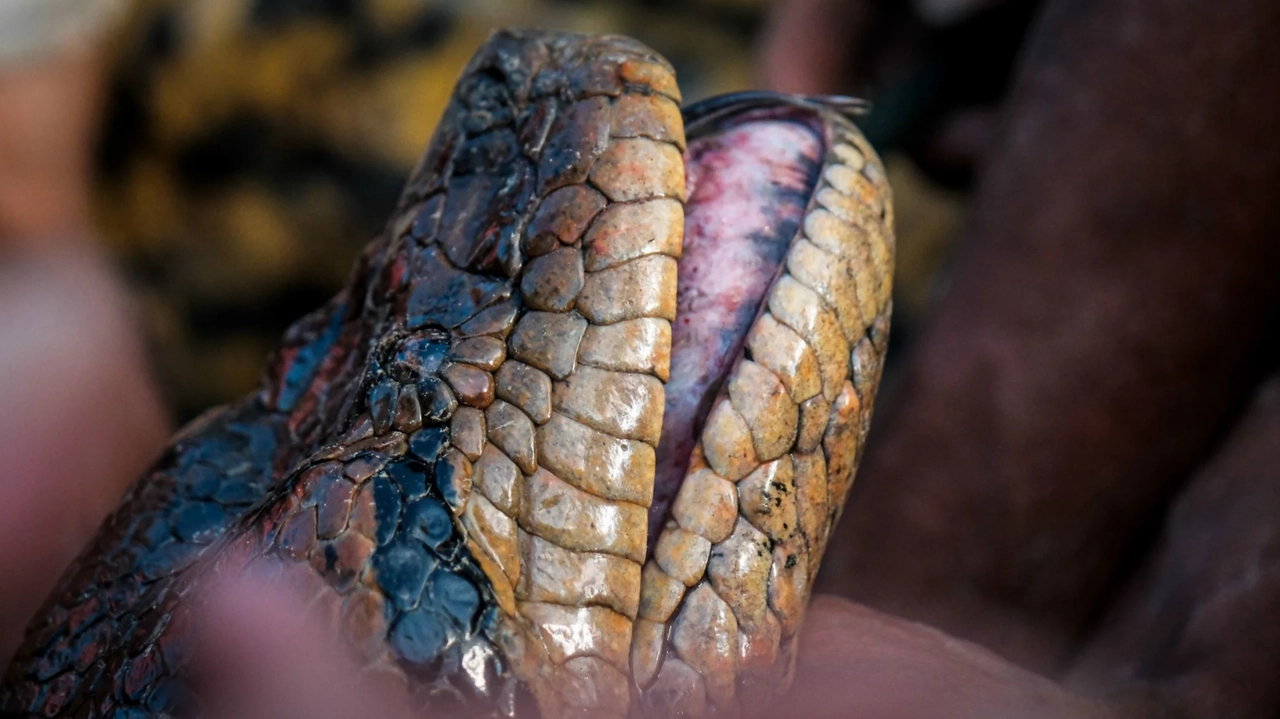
x: 99, y: 645
x: 335, y: 470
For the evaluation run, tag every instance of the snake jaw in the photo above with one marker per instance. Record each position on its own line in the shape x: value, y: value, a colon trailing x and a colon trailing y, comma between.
x: 492, y: 459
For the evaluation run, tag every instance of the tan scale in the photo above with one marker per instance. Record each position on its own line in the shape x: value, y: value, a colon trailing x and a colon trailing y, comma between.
x: 735, y: 627
x: 560, y: 399
x: 564, y: 477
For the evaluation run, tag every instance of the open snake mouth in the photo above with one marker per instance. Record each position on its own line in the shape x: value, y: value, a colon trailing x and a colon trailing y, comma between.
x: 684, y: 385
x: 581, y: 421
x: 749, y: 183
x: 760, y: 360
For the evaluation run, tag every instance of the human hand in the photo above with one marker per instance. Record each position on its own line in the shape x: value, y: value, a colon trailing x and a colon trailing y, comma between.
x: 261, y: 654
x: 80, y: 417
x: 1076, y: 467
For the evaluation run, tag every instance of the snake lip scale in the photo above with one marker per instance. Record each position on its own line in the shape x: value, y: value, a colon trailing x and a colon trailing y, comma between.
x: 572, y: 438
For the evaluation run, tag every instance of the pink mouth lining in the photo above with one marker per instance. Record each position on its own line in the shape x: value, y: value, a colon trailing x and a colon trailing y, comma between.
x: 749, y: 186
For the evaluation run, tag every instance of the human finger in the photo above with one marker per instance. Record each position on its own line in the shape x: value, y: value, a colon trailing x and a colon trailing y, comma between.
x: 807, y: 44
x: 1194, y: 629
x: 856, y: 662
x: 1105, y: 319
x: 81, y: 419
x: 260, y: 654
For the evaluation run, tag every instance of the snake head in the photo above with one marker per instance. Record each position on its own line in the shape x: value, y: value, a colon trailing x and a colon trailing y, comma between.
x: 575, y: 433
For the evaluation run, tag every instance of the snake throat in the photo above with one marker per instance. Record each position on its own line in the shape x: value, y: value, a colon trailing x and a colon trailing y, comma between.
x: 571, y: 440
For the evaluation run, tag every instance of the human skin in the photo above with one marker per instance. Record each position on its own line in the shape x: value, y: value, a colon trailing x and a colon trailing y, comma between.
x: 854, y: 662
x: 81, y: 418
x: 80, y: 414
x: 1107, y: 325
x: 48, y: 115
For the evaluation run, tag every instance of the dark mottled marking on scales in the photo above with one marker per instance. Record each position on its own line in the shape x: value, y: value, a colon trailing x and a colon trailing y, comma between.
x: 455, y: 457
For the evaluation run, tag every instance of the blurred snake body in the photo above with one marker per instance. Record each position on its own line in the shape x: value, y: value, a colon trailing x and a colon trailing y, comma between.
x: 571, y: 440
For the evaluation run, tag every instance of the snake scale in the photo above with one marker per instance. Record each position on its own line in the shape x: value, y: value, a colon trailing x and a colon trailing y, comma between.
x: 573, y: 436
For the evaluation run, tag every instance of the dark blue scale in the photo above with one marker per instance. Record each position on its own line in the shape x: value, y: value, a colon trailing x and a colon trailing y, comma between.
x: 168, y: 697
x: 420, y: 636
x: 382, y: 400
x: 316, y: 341
x: 387, y: 505
x: 438, y: 402
x: 150, y: 531
x: 205, y: 481
x: 429, y: 521
x: 422, y: 355
x: 433, y: 586
x: 428, y: 444
x: 200, y: 523
x: 410, y: 476
x: 138, y: 713
x: 236, y: 493
x: 169, y: 560
x: 455, y: 596
x: 449, y: 483
x: 85, y: 648
x: 402, y: 569
x: 427, y: 221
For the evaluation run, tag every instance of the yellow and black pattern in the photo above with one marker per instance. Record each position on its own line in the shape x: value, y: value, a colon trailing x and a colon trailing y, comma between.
x: 251, y: 147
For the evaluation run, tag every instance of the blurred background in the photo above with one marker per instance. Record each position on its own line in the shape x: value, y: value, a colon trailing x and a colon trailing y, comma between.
x: 244, y: 150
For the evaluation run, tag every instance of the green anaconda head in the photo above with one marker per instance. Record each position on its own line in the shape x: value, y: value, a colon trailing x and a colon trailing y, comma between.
x: 577, y: 429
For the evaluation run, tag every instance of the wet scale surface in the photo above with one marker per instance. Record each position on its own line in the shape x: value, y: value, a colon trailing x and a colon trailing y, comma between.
x: 456, y: 457
x: 748, y: 189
